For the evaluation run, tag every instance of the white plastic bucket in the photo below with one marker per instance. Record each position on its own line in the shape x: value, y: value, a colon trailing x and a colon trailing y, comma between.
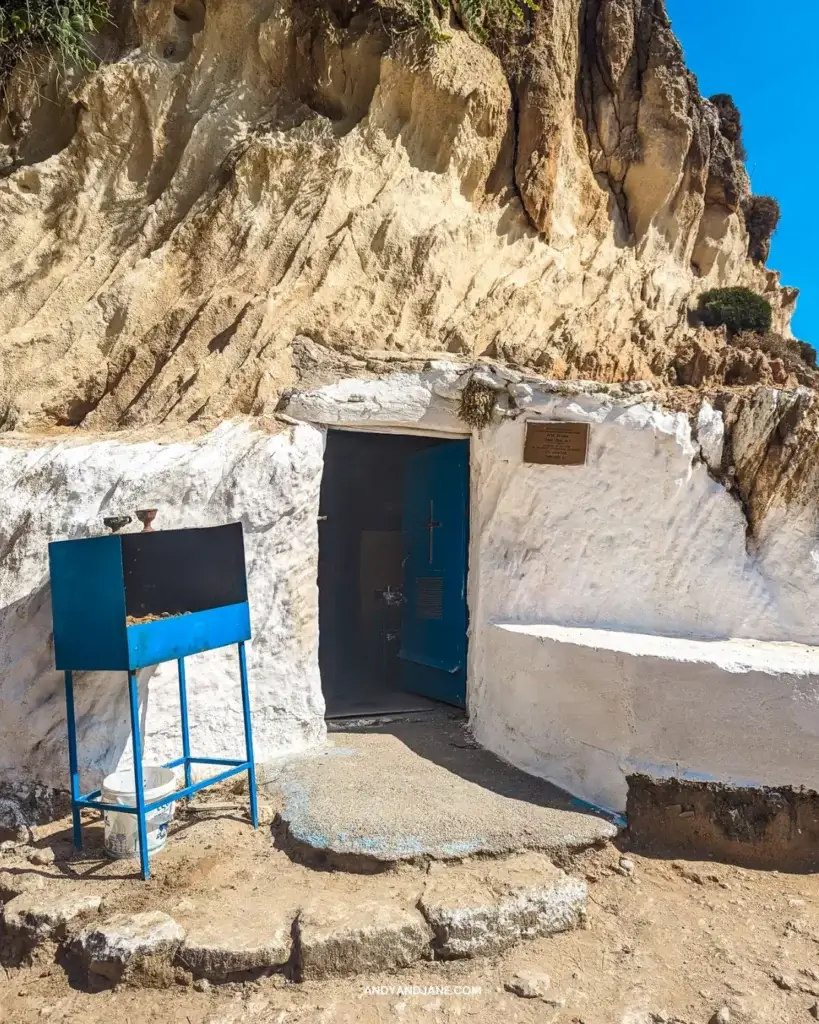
x: 122, y: 830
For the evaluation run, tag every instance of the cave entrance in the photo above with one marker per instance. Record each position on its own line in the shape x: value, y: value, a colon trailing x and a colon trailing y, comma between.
x: 393, y: 542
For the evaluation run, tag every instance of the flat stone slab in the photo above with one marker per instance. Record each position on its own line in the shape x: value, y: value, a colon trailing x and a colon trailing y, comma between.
x: 484, y: 912
x: 38, y: 917
x: 420, y: 787
x: 16, y: 883
x: 335, y: 938
x: 112, y: 950
x: 230, y: 943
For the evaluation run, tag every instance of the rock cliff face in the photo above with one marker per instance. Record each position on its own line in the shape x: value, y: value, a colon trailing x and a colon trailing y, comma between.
x: 252, y: 193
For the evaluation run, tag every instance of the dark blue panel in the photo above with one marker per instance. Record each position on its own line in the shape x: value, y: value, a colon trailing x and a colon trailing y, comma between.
x: 150, y: 643
x: 179, y: 571
x: 88, y: 604
x: 436, y: 534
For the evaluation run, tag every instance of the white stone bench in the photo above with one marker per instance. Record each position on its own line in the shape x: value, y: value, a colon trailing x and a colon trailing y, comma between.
x: 584, y: 708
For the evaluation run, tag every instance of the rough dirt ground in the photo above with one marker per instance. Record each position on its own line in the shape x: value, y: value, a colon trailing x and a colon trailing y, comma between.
x: 678, y: 940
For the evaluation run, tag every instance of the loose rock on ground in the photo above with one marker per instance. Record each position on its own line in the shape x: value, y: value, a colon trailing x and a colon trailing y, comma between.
x: 528, y: 984
x: 113, y: 949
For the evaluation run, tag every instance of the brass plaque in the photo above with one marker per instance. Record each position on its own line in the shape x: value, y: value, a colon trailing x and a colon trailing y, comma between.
x: 556, y: 444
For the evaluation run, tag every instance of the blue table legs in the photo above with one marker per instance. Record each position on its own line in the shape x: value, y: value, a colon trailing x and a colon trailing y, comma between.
x: 133, y: 691
x: 183, y: 711
x: 73, y: 764
x: 78, y: 801
x: 251, y: 771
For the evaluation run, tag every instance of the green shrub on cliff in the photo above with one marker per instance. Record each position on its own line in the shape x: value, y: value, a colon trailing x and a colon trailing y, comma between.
x: 58, y: 28
x: 479, y: 17
x: 738, y: 309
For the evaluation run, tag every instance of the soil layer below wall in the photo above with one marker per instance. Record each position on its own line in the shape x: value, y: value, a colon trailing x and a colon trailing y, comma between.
x: 758, y: 828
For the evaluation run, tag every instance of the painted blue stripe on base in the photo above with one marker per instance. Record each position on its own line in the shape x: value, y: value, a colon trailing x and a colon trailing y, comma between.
x: 613, y: 816
x: 150, y: 643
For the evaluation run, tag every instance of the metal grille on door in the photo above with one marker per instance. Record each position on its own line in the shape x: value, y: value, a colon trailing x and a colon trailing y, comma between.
x: 429, y: 592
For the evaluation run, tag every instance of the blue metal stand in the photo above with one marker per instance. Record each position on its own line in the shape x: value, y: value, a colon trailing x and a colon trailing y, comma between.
x: 183, y: 711
x: 73, y: 763
x: 142, y: 809
x: 139, y: 781
x: 251, y: 774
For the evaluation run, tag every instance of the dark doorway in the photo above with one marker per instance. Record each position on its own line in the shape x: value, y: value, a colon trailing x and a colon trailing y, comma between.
x: 392, y: 536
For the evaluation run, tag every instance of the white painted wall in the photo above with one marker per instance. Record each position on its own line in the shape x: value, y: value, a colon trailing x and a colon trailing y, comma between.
x: 62, y: 490
x: 642, y: 540
x: 586, y: 707
x: 639, y: 543
x: 645, y: 547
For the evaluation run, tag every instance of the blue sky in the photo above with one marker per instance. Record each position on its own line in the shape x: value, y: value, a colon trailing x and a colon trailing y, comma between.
x: 764, y: 55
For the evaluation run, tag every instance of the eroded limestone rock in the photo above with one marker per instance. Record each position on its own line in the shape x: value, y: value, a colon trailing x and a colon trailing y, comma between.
x: 281, y: 174
x: 480, y: 913
x: 126, y: 945
x: 334, y: 939
x: 37, y: 917
x: 227, y: 944
x: 14, y: 828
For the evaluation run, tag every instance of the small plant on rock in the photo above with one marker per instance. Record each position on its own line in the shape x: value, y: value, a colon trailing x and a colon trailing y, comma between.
x: 738, y: 309
x: 58, y: 28
x: 792, y: 352
x: 477, y: 403
x: 772, y: 344
x: 479, y: 17
x: 730, y: 122
x: 807, y: 353
x: 761, y: 215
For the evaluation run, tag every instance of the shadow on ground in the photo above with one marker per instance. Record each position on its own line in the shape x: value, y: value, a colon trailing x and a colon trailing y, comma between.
x: 419, y: 787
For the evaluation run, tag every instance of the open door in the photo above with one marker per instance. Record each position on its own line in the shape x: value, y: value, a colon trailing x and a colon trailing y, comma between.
x: 436, y: 537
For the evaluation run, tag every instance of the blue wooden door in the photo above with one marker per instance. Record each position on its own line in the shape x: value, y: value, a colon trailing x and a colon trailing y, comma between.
x: 436, y: 537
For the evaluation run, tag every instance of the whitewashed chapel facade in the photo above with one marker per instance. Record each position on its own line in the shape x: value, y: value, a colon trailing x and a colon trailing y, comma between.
x: 616, y: 620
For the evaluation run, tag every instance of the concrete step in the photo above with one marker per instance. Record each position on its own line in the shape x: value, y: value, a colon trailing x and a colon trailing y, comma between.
x: 496, y: 904
x: 453, y: 910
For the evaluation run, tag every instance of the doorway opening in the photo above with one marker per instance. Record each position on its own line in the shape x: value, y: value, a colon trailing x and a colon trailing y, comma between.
x: 393, y: 542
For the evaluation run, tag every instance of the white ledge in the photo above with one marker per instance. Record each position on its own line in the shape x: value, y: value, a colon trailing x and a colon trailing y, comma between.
x: 732, y: 655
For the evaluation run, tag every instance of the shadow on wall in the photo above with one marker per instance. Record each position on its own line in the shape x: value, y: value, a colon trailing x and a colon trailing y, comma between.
x: 33, y: 730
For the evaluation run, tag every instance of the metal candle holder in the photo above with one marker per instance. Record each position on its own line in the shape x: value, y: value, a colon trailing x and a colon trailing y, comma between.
x: 146, y: 516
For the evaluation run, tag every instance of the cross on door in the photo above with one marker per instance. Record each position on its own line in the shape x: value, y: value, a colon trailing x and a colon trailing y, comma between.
x: 431, y: 525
